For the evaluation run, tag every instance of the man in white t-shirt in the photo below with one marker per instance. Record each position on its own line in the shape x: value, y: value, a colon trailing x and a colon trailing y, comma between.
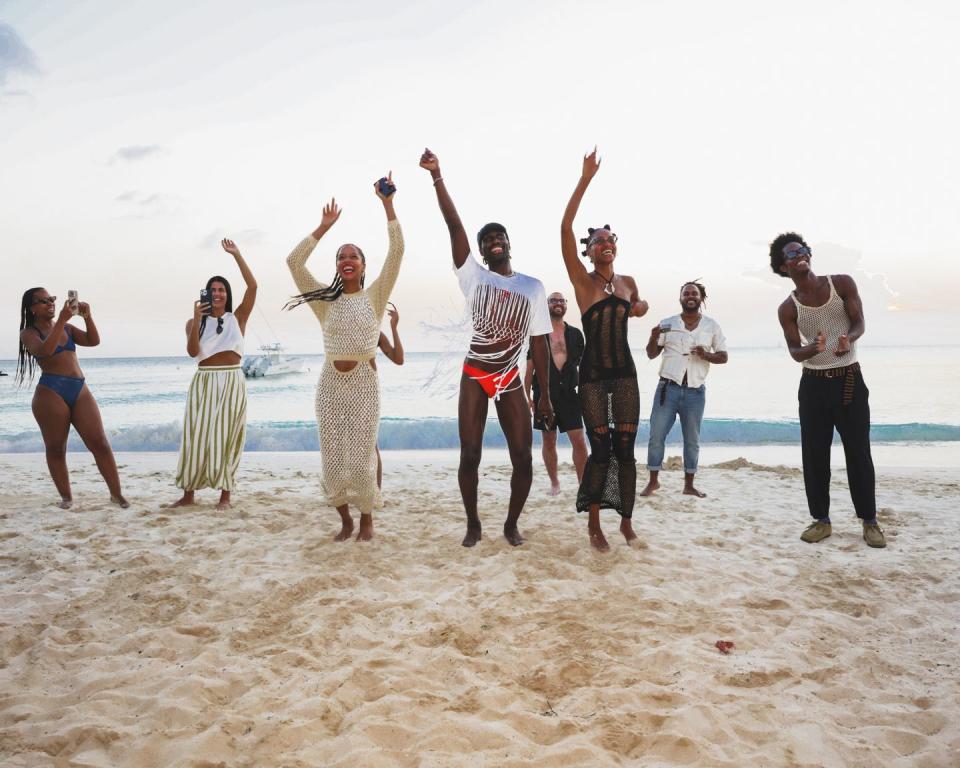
x: 689, y: 342
x: 506, y: 309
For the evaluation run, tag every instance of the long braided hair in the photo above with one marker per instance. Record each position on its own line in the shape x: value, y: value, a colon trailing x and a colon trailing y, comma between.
x: 589, y: 238
x: 333, y: 291
x: 26, y: 365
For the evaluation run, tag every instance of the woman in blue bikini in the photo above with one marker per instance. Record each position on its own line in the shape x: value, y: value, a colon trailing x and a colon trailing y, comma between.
x: 47, y: 340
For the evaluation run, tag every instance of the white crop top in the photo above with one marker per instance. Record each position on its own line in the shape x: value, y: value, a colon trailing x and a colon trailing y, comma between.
x: 228, y: 340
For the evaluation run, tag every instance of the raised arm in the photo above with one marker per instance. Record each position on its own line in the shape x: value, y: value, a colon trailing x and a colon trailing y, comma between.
x: 847, y: 289
x: 379, y: 290
x: 297, y: 260
x: 576, y: 270
x: 791, y: 334
x: 459, y: 243
x: 242, y: 312
x: 89, y: 336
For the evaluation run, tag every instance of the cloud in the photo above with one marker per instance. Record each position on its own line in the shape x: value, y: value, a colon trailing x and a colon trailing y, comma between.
x: 139, y: 204
x: 242, y: 237
x: 134, y: 152
x: 15, y: 56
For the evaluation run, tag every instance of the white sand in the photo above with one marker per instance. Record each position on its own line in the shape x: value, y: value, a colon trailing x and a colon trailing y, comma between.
x: 151, y: 637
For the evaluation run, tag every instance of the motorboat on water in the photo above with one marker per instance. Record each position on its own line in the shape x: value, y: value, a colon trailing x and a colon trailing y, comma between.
x: 271, y: 362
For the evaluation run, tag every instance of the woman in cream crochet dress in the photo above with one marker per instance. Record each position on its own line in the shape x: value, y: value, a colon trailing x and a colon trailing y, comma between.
x: 348, y: 392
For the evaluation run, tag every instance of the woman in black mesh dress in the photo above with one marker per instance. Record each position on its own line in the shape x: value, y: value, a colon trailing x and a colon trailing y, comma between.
x: 608, y: 377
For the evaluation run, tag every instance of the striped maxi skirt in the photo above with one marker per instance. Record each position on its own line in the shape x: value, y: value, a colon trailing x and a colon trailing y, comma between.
x: 214, y: 428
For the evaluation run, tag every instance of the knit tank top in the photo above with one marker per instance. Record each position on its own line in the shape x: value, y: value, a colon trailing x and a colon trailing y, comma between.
x: 832, y: 319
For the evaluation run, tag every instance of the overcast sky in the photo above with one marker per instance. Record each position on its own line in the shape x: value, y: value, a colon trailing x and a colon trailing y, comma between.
x: 134, y: 135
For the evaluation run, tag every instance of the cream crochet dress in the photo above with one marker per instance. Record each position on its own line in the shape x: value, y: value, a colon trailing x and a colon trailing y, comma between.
x: 348, y: 403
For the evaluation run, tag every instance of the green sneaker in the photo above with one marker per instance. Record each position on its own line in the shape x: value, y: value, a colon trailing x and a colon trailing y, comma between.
x: 816, y: 531
x: 873, y: 535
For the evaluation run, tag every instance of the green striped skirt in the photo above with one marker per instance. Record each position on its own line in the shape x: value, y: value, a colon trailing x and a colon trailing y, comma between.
x: 214, y: 428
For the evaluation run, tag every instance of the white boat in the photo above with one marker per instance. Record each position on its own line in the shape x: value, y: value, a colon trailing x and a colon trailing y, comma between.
x: 271, y: 362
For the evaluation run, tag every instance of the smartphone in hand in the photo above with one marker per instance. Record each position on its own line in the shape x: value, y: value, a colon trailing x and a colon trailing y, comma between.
x: 74, y: 301
x: 385, y: 187
x: 205, y: 299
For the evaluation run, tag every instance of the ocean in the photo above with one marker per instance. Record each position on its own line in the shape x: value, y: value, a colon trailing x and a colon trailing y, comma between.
x: 752, y: 400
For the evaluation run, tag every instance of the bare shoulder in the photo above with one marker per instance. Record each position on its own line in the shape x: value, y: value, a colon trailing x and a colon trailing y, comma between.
x: 844, y: 284
x: 787, y: 310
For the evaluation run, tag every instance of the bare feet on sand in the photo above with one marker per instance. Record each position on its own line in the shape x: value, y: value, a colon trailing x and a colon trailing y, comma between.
x: 554, y: 490
x: 597, y: 540
x: 512, y: 534
x: 65, y: 503
x: 626, y: 528
x: 366, y: 528
x: 650, y: 487
x: 120, y: 502
x: 474, y: 534
x: 184, y: 501
x: 224, y: 502
x: 689, y: 490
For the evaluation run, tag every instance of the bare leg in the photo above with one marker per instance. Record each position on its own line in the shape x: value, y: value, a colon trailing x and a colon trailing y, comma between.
x: 346, y: 523
x: 379, y: 467
x: 688, y: 486
x: 653, y: 484
x: 626, y: 528
x: 224, y: 502
x: 86, y: 420
x: 579, y: 443
x: 53, y: 417
x: 366, y: 527
x: 597, y: 540
x: 549, y: 453
x: 514, y: 416
x: 472, y: 418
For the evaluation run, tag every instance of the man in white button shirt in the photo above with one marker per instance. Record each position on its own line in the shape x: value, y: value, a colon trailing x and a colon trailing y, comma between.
x: 689, y: 342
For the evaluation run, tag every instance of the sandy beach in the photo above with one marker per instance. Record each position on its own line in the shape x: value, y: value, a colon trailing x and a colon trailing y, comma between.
x: 154, y: 637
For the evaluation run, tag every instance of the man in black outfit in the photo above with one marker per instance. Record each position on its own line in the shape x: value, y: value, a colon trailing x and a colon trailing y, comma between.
x: 566, y: 349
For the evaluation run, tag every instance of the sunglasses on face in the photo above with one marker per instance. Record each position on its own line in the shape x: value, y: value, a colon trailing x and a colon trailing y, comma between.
x: 556, y: 301
x: 796, y: 253
x: 51, y: 300
x: 603, y: 240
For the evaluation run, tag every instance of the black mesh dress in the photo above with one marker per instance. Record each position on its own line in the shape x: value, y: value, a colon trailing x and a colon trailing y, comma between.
x: 611, y: 408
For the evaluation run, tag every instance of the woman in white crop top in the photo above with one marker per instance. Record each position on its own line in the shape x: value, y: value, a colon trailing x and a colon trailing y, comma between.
x: 215, y: 420
x: 348, y: 392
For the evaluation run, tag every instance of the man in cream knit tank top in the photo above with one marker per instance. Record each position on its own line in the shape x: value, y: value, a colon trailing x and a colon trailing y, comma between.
x: 822, y: 320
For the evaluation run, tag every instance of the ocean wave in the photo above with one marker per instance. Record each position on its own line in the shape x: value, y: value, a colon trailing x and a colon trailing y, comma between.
x: 441, y: 433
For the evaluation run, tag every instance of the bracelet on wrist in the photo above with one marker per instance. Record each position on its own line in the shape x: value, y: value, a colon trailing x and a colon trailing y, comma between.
x: 437, y: 180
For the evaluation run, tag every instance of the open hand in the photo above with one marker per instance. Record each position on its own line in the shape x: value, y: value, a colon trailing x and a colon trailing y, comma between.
x: 230, y: 247
x: 591, y: 164
x: 843, y: 345
x: 331, y: 212
x: 429, y: 161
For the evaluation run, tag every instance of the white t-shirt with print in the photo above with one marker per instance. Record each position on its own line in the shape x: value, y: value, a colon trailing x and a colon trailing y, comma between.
x: 503, y: 308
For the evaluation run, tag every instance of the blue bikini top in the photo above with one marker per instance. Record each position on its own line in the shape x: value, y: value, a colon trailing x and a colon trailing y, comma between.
x: 70, y: 346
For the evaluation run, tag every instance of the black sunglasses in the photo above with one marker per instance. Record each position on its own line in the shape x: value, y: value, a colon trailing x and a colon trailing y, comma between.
x: 219, y: 325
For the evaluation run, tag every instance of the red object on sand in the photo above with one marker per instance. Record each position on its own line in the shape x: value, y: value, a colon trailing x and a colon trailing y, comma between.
x: 724, y: 646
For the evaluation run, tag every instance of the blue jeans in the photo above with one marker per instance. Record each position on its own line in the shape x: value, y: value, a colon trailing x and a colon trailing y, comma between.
x: 688, y: 403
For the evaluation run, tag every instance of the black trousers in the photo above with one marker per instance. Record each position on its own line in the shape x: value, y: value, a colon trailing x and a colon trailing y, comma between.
x: 822, y: 409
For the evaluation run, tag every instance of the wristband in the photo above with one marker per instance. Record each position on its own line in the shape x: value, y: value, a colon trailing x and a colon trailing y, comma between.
x: 437, y: 180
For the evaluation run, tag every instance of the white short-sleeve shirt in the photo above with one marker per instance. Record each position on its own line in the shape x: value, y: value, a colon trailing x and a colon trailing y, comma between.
x: 503, y: 307
x: 676, y: 360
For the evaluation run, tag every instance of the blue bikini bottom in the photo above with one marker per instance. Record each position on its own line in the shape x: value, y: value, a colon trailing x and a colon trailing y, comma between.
x: 67, y: 387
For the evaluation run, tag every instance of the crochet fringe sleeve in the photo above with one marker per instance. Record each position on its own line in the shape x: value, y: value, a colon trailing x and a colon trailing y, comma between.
x: 306, y: 282
x: 379, y: 291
